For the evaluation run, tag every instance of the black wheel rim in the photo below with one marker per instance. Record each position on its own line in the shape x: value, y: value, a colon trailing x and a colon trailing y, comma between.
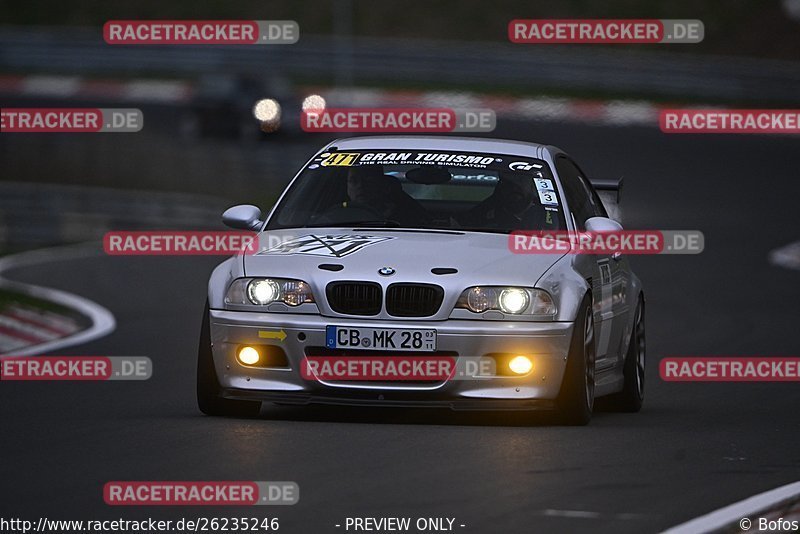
x: 589, y: 354
x: 639, y: 340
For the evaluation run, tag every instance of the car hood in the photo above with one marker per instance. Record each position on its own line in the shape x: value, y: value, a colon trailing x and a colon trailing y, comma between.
x: 320, y: 255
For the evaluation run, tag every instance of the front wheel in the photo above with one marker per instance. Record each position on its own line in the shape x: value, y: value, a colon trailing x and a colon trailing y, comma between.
x: 208, y: 389
x: 576, y: 398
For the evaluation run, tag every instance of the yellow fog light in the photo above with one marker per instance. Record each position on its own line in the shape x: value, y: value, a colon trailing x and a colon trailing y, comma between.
x: 520, y: 365
x: 248, y: 355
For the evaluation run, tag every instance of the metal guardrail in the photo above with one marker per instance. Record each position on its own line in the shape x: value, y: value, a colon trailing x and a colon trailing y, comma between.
x: 50, y: 214
x: 364, y: 60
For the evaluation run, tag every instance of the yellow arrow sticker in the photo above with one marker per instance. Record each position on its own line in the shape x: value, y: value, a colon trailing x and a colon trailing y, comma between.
x: 272, y: 334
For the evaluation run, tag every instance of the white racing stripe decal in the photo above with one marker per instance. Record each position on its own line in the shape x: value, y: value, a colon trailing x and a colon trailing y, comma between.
x: 738, y: 511
x: 103, y: 322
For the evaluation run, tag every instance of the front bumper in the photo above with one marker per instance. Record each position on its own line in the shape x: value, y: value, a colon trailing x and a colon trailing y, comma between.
x: 546, y: 342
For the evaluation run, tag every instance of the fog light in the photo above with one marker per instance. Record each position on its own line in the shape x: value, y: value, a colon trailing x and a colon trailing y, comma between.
x: 248, y: 355
x: 520, y: 365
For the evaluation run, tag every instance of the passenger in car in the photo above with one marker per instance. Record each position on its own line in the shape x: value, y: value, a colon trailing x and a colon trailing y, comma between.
x: 511, y: 206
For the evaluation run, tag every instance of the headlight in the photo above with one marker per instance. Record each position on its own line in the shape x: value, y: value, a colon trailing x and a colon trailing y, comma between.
x: 513, y: 300
x: 267, y: 110
x: 268, y: 113
x: 263, y: 291
x: 313, y: 103
x: 296, y: 292
x: 480, y: 299
x: 509, y: 300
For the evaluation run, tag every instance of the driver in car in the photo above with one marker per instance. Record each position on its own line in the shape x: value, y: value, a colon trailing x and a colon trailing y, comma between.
x: 511, y: 206
x: 371, y: 190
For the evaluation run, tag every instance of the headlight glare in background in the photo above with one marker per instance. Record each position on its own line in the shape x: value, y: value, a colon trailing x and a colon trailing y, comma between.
x: 314, y: 103
x: 267, y: 110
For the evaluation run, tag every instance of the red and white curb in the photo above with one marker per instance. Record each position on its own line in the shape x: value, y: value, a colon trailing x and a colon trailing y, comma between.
x: 147, y: 91
x: 26, y: 332
x: 743, y: 514
x: 21, y: 326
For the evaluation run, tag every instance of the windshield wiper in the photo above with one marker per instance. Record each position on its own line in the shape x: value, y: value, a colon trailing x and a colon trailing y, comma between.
x: 347, y: 224
x: 387, y: 223
x: 485, y: 230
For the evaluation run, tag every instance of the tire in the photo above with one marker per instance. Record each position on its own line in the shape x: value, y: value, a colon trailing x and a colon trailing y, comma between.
x: 632, y: 395
x: 576, y: 398
x: 208, y: 389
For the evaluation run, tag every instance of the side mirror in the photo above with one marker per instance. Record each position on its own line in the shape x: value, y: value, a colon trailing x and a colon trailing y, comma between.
x: 243, y: 217
x: 602, y: 224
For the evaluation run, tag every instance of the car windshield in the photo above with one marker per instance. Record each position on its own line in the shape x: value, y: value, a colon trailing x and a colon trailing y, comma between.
x: 427, y: 190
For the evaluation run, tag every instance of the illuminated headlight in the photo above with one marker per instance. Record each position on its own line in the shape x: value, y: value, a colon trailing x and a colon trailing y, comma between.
x: 268, y: 113
x: 313, y: 103
x: 509, y: 300
x: 266, y: 110
x: 513, y: 300
x: 263, y: 291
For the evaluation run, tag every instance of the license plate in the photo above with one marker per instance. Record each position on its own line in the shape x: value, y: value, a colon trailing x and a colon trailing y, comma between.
x: 399, y: 339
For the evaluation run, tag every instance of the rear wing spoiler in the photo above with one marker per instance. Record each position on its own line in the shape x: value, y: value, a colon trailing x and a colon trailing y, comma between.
x: 605, y: 184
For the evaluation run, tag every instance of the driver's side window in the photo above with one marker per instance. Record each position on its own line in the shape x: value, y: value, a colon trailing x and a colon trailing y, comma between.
x: 582, y: 200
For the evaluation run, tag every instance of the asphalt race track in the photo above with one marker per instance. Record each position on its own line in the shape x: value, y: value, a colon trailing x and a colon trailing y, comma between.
x: 694, y: 447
